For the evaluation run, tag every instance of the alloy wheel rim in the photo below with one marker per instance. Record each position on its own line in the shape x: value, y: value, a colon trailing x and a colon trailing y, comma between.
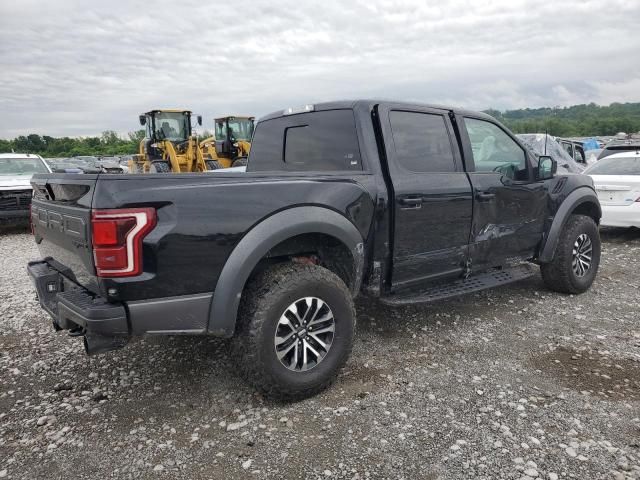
x: 304, y: 334
x: 582, y: 255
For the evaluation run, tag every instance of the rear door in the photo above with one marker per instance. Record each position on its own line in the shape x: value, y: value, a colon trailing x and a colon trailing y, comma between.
x: 510, y: 207
x: 432, y: 200
x: 61, y: 220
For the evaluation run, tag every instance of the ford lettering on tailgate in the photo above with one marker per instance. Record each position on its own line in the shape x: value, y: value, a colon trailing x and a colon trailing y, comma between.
x: 72, y: 226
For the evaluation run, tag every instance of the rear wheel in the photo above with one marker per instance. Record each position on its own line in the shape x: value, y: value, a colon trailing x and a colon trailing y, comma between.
x: 213, y: 164
x: 160, y: 167
x: 577, y: 257
x: 240, y: 162
x: 295, y: 332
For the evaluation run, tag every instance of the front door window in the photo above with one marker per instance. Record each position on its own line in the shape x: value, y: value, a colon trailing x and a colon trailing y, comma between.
x: 495, y: 151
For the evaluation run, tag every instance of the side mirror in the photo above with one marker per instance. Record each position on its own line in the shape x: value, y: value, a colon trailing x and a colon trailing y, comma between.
x: 199, y: 118
x: 143, y: 120
x: 547, y: 167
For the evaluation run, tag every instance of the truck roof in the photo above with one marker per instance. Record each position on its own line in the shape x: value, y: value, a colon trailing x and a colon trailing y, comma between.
x: 339, y: 104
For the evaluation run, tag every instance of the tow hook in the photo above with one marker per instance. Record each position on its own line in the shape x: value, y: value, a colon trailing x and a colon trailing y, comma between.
x: 77, y: 332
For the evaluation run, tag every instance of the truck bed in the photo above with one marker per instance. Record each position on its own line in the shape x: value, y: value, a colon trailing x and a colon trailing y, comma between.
x: 200, y: 219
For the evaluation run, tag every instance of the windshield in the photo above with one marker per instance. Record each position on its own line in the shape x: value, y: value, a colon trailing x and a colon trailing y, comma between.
x: 171, y: 126
x: 239, y: 129
x: 22, y: 166
x: 616, y: 166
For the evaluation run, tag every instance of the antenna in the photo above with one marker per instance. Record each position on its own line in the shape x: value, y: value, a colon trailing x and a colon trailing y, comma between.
x: 546, y: 136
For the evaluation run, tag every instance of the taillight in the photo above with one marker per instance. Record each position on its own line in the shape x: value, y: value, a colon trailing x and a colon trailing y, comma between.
x: 117, y: 240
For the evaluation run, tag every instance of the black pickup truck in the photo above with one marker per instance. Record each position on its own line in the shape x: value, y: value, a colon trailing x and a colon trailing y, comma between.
x: 404, y: 202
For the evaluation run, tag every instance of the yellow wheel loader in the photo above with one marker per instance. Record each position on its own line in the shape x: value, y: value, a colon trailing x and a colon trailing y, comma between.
x: 232, y: 141
x: 169, y: 145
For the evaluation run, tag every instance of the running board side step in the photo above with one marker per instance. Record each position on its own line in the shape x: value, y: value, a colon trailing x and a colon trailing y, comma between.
x: 462, y: 286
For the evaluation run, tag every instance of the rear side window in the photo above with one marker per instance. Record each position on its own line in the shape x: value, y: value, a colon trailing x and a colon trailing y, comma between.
x: 421, y: 141
x: 316, y: 141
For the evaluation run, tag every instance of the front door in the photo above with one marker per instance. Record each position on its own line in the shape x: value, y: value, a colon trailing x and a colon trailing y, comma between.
x: 510, y: 207
x: 432, y: 195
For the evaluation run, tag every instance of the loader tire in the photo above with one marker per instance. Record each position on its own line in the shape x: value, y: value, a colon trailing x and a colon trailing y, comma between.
x: 213, y: 165
x: 240, y: 162
x: 160, y: 167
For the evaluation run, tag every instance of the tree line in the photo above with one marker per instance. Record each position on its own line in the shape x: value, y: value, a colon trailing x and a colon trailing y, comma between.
x: 577, y: 120
x: 574, y: 121
x: 109, y: 143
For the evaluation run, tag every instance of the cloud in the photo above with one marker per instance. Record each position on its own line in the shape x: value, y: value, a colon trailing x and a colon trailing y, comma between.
x: 77, y: 68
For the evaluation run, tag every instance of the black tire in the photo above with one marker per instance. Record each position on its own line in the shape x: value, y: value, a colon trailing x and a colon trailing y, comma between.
x: 240, y: 162
x: 559, y: 275
x: 160, y: 166
x: 264, y: 301
x: 213, y: 164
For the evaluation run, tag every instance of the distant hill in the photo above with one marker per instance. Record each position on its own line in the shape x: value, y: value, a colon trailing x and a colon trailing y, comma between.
x: 578, y: 120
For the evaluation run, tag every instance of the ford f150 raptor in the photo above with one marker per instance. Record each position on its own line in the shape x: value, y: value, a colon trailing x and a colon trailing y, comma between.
x: 405, y: 202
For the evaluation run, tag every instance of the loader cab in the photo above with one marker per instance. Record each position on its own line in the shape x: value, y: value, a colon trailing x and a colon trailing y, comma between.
x: 171, y: 125
x: 231, y: 130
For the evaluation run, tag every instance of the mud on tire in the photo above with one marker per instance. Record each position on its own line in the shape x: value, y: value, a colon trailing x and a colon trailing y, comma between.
x: 266, y: 300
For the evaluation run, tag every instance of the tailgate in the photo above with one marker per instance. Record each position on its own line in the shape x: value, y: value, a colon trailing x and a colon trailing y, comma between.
x: 61, y: 219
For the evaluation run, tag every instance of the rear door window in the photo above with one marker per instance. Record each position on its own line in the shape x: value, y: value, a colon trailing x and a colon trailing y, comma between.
x: 422, y: 142
x: 315, y: 141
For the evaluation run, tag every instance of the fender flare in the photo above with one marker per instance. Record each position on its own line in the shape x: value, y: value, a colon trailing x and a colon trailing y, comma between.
x: 262, y: 238
x: 579, y: 196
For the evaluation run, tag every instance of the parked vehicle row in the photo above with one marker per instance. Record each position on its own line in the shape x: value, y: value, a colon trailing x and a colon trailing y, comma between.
x: 88, y: 164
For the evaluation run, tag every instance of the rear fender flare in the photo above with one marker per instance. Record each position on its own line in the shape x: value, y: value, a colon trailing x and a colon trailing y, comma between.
x: 262, y: 238
x: 579, y: 196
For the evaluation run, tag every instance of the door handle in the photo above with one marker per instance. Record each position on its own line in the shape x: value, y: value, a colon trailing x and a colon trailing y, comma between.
x: 485, y: 196
x: 411, y: 202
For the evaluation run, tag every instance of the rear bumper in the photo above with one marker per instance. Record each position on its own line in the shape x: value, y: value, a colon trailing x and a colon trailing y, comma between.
x: 621, y: 215
x: 73, y: 308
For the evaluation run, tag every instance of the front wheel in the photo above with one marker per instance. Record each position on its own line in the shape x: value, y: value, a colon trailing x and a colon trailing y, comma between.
x: 295, y: 331
x: 577, y: 257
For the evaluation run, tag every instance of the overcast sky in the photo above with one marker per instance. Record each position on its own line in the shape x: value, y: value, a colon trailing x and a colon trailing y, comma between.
x: 72, y: 67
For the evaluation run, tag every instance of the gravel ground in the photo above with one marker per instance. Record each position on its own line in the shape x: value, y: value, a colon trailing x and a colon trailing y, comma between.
x: 516, y: 382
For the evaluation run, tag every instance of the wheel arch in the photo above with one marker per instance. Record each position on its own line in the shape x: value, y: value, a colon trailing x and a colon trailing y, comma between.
x: 581, y: 201
x: 269, y: 239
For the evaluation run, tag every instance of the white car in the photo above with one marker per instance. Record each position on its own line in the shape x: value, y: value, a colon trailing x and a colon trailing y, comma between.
x: 617, y: 181
x: 16, y: 170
